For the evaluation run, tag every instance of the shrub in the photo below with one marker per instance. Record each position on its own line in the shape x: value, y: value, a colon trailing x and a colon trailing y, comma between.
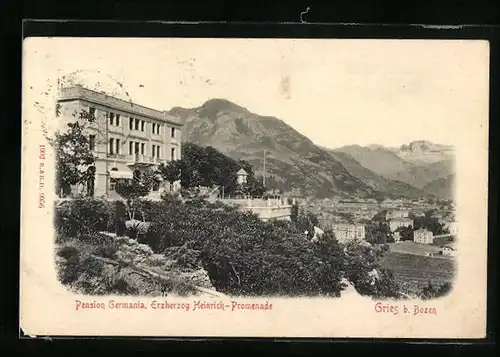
x: 81, y: 215
x: 433, y: 291
x: 244, y: 255
x: 362, y: 268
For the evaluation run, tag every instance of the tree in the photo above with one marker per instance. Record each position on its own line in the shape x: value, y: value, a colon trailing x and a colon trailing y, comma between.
x: 363, y: 270
x: 74, y: 156
x: 406, y: 233
x: 294, y: 212
x: 171, y: 172
x: 306, y: 222
x: 377, y: 232
x: 431, y: 223
x: 206, y: 166
x: 380, y: 216
x: 133, y: 189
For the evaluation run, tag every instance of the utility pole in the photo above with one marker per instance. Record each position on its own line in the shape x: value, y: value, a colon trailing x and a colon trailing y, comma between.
x: 264, y: 175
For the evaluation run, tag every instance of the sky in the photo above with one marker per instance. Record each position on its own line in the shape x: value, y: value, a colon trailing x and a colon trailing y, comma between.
x: 336, y: 91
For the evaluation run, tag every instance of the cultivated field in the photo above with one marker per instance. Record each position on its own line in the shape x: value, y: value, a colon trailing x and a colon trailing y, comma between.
x: 415, y: 271
x: 414, y: 248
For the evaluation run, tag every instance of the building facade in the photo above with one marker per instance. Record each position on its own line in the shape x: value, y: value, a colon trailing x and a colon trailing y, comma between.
x: 241, y: 177
x: 452, y: 227
x: 126, y: 138
x: 346, y: 232
x: 423, y: 236
x: 274, y: 208
x: 394, y: 224
x: 396, y: 214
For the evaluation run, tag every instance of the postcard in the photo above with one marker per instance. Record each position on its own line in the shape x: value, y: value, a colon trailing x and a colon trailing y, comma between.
x: 230, y: 187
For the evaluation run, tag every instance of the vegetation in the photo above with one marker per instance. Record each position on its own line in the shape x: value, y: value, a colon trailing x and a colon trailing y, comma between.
x: 378, y: 232
x: 432, y: 291
x: 418, y: 267
x: 74, y: 157
x: 429, y: 222
x: 241, y: 254
x: 139, y: 186
x: 208, y: 167
x: 406, y: 233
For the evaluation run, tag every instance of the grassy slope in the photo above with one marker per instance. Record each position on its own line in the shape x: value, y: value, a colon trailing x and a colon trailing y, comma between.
x: 418, y: 267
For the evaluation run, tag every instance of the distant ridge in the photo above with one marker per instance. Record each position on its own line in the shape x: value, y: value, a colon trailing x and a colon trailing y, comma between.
x: 416, y: 163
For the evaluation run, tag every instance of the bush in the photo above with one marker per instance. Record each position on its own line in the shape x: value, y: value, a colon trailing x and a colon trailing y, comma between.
x: 433, y: 291
x: 362, y: 268
x: 244, y: 255
x: 78, y: 271
x: 81, y: 215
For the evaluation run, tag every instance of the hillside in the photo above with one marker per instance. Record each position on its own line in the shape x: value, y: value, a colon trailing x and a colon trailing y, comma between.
x: 386, y: 163
x: 377, y: 182
x: 442, y: 187
x: 292, y: 160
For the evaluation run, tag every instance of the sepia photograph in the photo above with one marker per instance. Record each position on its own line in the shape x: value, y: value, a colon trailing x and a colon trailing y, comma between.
x: 240, y: 174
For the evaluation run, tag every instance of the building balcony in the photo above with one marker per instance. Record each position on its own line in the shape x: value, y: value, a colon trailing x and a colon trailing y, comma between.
x: 144, y: 160
x: 116, y: 129
x: 118, y: 156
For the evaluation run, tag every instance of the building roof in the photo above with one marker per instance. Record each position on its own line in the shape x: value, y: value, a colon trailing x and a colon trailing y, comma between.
x: 422, y: 230
x: 80, y: 92
x: 346, y: 225
x: 241, y: 172
x: 401, y: 220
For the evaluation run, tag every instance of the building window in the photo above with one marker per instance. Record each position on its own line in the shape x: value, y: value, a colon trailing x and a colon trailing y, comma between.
x: 153, y: 150
x: 172, y: 132
x: 158, y: 127
x: 130, y: 147
x: 113, y: 181
x: 131, y: 123
x: 142, y: 148
x: 92, y: 111
x: 117, y: 119
x: 154, y: 128
x: 172, y: 154
x: 111, y: 118
x: 136, y: 148
x: 158, y: 152
x: 143, y: 124
x: 92, y: 142
x: 111, y: 147
x: 117, y: 146
x: 136, y: 124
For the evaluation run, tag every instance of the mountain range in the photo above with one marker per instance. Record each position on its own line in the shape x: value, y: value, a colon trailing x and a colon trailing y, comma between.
x: 293, y: 161
x: 403, y: 167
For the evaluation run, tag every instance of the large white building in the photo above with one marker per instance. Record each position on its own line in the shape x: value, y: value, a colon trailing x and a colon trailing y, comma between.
x: 126, y: 137
x: 394, y: 224
x: 345, y: 232
x: 423, y: 236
